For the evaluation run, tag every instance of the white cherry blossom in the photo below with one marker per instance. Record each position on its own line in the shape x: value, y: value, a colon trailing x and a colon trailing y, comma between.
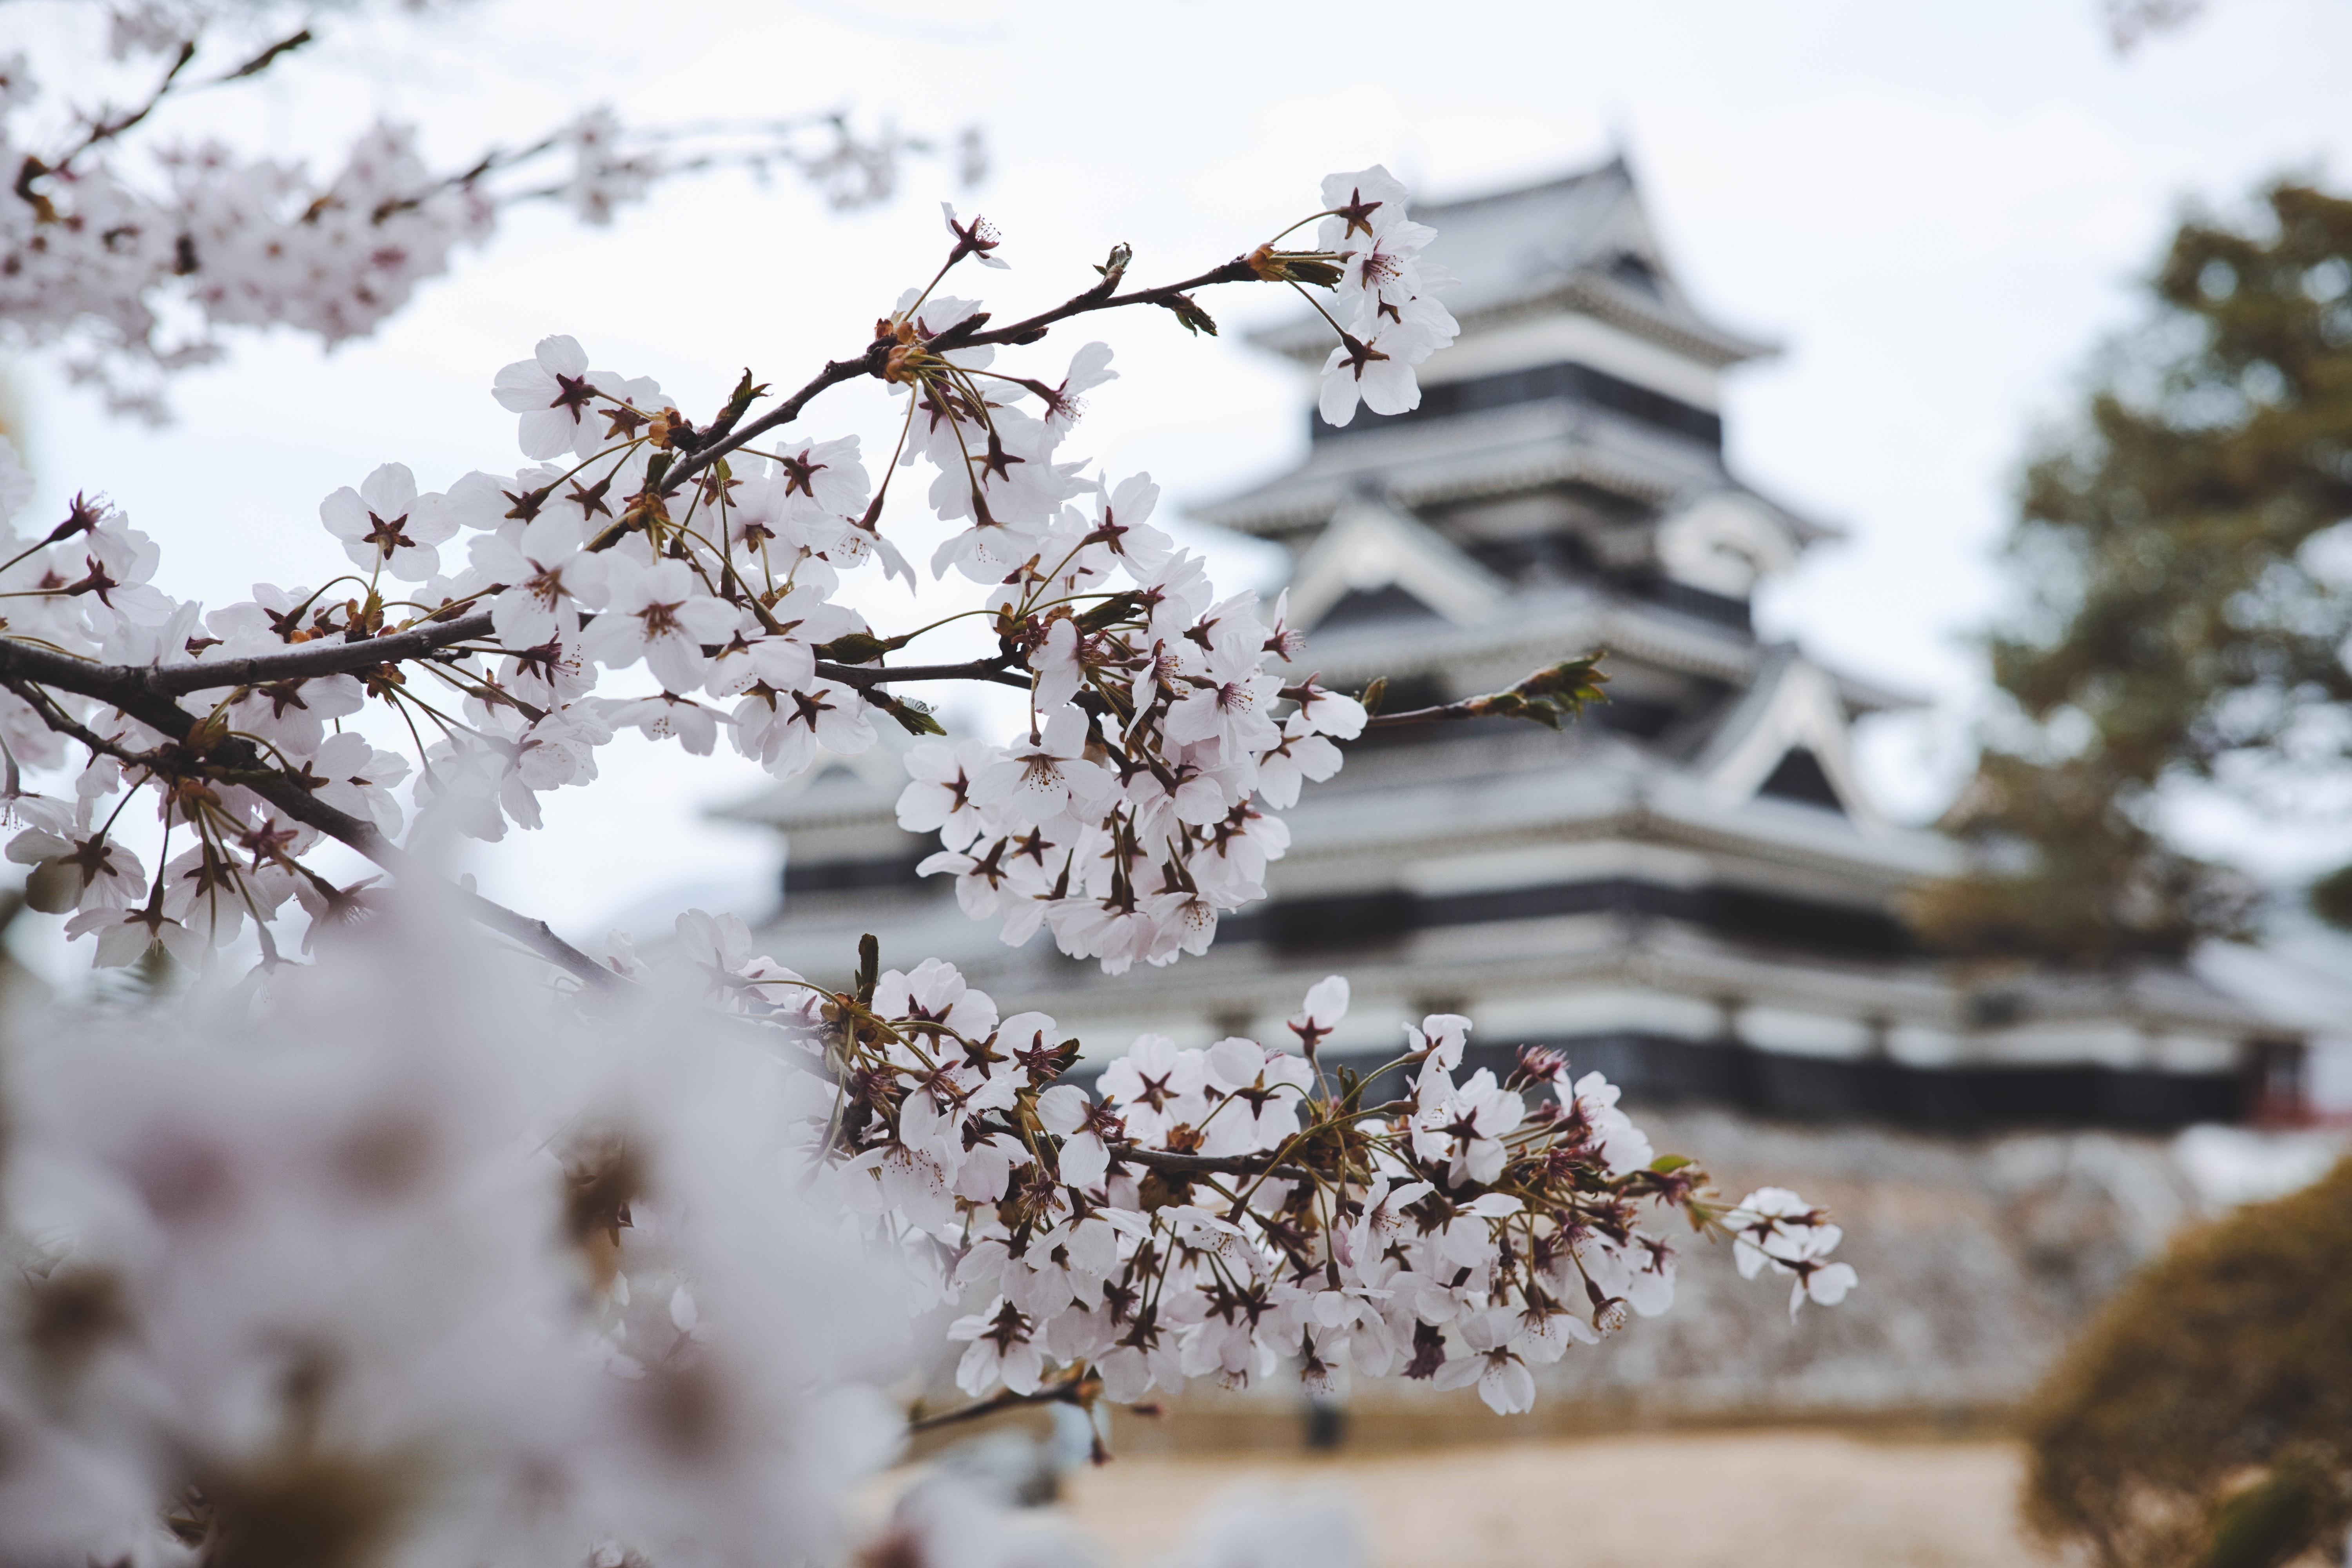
x: 661, y: 615
x: 556, y: 397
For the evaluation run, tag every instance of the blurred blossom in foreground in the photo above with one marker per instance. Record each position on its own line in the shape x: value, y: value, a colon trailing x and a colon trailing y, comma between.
x: 401, y: 1272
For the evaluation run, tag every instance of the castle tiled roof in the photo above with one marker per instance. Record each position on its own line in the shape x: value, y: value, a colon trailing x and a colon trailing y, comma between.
x: 1581, y: 241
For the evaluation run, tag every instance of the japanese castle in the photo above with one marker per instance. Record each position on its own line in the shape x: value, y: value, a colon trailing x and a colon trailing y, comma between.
x: 1690, y: 889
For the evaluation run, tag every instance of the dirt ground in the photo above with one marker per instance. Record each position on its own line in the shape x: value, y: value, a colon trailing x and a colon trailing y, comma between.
x: 1728, y: 1500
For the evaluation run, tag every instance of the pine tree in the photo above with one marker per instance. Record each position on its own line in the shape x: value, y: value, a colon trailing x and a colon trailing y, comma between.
x: 2188, y: 561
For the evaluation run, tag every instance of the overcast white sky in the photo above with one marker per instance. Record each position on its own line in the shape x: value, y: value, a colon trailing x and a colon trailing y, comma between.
x: 1938, y: 210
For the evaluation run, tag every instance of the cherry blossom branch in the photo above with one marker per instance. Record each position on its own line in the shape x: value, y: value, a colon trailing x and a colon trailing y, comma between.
x: 1173, y: 1164
x: 104, y: 130
x: 835, y: 371
x: 998, y: 670
x: 310, y: 660
x: 199, y: 751
x: 964, y: 334
x: 1081, y: 1390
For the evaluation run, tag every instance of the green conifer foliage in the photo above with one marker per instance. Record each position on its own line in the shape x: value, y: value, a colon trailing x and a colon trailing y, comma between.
x: 2188, y: 561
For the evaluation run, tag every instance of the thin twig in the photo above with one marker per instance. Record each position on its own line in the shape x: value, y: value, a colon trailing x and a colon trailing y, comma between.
x: 835, y: 371
x: 1443, y: 713
x: 964, y: 334
x: 1099, y: 298
x: 1075, y: 1391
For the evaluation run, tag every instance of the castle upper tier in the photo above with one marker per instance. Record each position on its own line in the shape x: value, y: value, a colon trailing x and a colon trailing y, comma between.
x: 1690, y: 889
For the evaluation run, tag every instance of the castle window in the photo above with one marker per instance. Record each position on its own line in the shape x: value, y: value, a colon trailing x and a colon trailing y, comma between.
x: 1800, y: 778
x: 1630, y: 269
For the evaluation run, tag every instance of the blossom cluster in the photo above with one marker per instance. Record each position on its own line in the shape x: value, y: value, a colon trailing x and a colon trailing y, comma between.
x: 1137, y: 806
x: 1235, y: 1211
x: 136, y: 272
x: 1129, y: 823
x: 345, y: 1242
x: 1386, y: 295
x: 384, y: 1273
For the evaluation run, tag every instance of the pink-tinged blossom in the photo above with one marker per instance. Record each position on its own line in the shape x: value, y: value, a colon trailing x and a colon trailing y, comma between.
x: 807, y: 500
x: 115, y: 565
x: 1440, y: 1041
x: 1777, y: 1229
x: 1184, y: 921
x: 753, y: 659
x: 1266, y: 1088
x: 717, y: 951
x: 1002, y: 1350
x: 1362, y: 203
x: 1089, y: 368
x: 935, y: 991
x: 293, y: 715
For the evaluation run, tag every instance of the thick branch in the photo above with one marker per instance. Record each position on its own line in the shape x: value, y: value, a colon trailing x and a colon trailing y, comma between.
x: 863, y: 675
x: 308, y: 659
x: 1205, y: 1164
x: 237, y: 760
